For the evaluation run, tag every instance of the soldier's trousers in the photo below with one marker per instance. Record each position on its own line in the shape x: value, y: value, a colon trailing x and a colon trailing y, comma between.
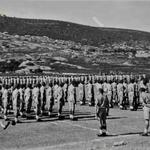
x: 131, y: 98
x: 49, y: 104
x: 60, y: 103
x: 109, y: 96
x: 42, y: 105
x: 114, y: 96
x: 5, y: 106
x: 36, y: 105
x: 120, y: 97
x: 16, y: 108
x: 102, y: 113
x: 80, y: 98
x: 28, y: 104
x: 89, y: 99
x: 71, y: 107
x: 22, y: 105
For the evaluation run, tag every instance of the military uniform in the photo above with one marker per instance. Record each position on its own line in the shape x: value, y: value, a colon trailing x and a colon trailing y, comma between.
x: 36, y: 103
x: 71, y: 100
x: 49, y: 99
x: 5, y: 101
x: 42, y: 97
x: 28, y: 99
x: 131, y: 95
x: 120, y: 94
x: 80, y: 93
x: 16, y: 102
x: 60, y: 99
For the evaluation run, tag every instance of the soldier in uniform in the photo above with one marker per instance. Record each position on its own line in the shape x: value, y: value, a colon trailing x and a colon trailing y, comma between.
x: 120, y: 94
x: 60, y: 99
x: 49, y: 99
x: 145, y: 97
x: 114, y: 92
x: 81, y: 93
x: 55, y: 87
x: 28, y: 98
x: 42, y: 97
x: 22, y: 103
x: 16, y: 102
x: 89, y: 93
x: 109, y: 93
x: 131, y: 94
x: 65, y: 87
x: 101, y: 111
x: 36, y: 100
x: 71, y: 99
x: 125, y: 94
x: 5, y: 101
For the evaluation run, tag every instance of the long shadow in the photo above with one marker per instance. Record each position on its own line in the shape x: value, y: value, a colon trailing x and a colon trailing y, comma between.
x: 116, y: 117
x: 122, y: 134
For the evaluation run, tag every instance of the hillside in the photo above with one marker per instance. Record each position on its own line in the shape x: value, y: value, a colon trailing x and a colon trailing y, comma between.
x: 30, y: 46
x: 70, y: 31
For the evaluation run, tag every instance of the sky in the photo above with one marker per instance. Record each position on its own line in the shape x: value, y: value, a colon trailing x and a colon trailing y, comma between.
x: 130, y: 14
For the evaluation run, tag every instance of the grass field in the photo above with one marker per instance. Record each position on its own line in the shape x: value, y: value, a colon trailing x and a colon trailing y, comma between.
x: 53, y: 134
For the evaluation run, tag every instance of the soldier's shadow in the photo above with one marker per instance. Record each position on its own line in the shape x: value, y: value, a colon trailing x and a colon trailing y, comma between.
x: 65, y: 116
x: 109, y: 117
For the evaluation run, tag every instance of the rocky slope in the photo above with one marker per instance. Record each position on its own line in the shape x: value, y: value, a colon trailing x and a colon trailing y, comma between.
x: 28, y: 45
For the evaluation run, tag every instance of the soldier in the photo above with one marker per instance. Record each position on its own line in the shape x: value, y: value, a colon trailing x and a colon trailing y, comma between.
x: 131, y: 94
x: 65, y: 87
x: 5, y: 101
x: 42, y: 97
x: 28, y: 98
x: 80, y: 94
x: 136, y: 95
x: 71, y: 99
x: 109, y: 94
x: 60, y: 99
x: 16, y: 102
x: 49, y: 99
x: 55, y: 87
x: 1, y: 102
x: 101, y: 111
x: 114, y: 92
x: 145, y: 97
x: 89, y: 93
x: 36, y: 100
x: 148, y: 86
x: 125, y: 93
x: 120, y: 94
x: 22, y: 103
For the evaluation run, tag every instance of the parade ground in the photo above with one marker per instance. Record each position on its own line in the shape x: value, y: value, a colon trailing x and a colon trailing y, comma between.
x: 124, y: 127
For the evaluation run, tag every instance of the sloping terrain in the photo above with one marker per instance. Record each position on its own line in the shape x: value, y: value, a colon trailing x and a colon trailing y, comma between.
x: 32, y: 46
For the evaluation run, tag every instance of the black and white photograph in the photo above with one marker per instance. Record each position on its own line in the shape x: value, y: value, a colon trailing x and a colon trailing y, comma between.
x: 74, y: 74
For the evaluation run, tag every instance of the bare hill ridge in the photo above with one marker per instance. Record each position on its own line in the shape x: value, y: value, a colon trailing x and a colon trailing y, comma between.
x: 70, y: 31
x: 29, y: 45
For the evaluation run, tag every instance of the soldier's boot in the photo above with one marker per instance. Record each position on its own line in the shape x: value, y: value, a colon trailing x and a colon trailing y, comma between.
x: 16, y: 120
x: 37, y: 118
x: 21, y: 114
x: 71, y: 116
x: 131, y: 108
x: 5, y: 117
